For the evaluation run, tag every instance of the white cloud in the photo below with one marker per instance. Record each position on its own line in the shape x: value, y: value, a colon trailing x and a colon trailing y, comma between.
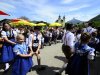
x: 36, y: 3
x: 45, y: 13
x: 67, y: 9
x: 50, y: 12
x: 42, y: 10
x: 83, y: 16
x: 78, y: 7
x: 7, y: 7
x: 67, y: 1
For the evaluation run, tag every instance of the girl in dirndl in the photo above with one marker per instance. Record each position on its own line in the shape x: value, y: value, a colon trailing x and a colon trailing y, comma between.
x: 23, y: 57
x: 8, y: 34
x: 79, y: 62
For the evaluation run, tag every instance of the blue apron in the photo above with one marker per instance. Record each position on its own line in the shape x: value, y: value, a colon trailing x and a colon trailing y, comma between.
x: 78, y: 63
x: 22, y: 65
x: 7, y: 49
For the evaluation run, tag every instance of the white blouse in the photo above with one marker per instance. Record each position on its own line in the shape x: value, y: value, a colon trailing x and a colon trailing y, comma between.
x: 5, y: 34
x: 89, y: 30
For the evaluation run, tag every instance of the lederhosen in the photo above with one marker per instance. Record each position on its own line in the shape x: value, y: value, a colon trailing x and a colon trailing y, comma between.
x: 35, y: 44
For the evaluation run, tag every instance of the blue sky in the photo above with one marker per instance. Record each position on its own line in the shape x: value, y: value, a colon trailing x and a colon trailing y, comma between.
x: 49, y: 10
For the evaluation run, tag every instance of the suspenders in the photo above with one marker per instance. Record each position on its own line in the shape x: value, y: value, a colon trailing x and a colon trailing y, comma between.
x: 65, y: 40
x: 36, y: 41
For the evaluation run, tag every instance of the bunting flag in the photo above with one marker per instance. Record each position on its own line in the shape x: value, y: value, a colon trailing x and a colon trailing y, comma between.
x: 3, y: 13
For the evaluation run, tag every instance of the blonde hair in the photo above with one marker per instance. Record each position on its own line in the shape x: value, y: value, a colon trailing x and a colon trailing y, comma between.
x: 19, y: 36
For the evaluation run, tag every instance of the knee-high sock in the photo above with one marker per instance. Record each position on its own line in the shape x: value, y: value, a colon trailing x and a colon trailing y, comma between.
x: 6, y: 66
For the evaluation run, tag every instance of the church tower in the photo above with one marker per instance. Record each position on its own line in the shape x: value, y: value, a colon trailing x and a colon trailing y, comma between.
x: 59, y: 19
x: 63, y: 21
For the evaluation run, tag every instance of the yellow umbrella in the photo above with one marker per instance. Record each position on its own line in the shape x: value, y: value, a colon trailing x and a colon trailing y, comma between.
x: 32, y: 24
x: 14, y: 24
x: 55, y: 24
x: 21, y: 22
x: 41, y: 24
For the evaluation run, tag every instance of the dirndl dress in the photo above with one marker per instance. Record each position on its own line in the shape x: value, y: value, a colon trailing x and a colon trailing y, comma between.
x: 7, y: 50
x: 79, y: 63
x: 21, y: 65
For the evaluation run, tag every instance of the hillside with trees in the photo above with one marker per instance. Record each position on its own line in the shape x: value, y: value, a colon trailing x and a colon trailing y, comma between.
x: 96, y: 21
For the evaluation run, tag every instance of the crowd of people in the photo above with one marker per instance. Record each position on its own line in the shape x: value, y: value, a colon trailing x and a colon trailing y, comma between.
x: 80, y: 47
x: 19, y: 45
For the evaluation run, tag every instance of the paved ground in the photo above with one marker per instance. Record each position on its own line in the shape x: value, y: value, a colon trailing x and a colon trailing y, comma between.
x: 53, y: 59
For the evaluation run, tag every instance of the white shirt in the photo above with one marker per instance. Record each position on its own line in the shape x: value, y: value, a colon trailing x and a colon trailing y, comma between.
x: 77, y: 38
x: 50, y: 34
x: 58, y: 32
x: 64, y: 30
x: 69, y: 39
x: 47, y: 33
x: 33, y: 37
x: 20, y: 31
